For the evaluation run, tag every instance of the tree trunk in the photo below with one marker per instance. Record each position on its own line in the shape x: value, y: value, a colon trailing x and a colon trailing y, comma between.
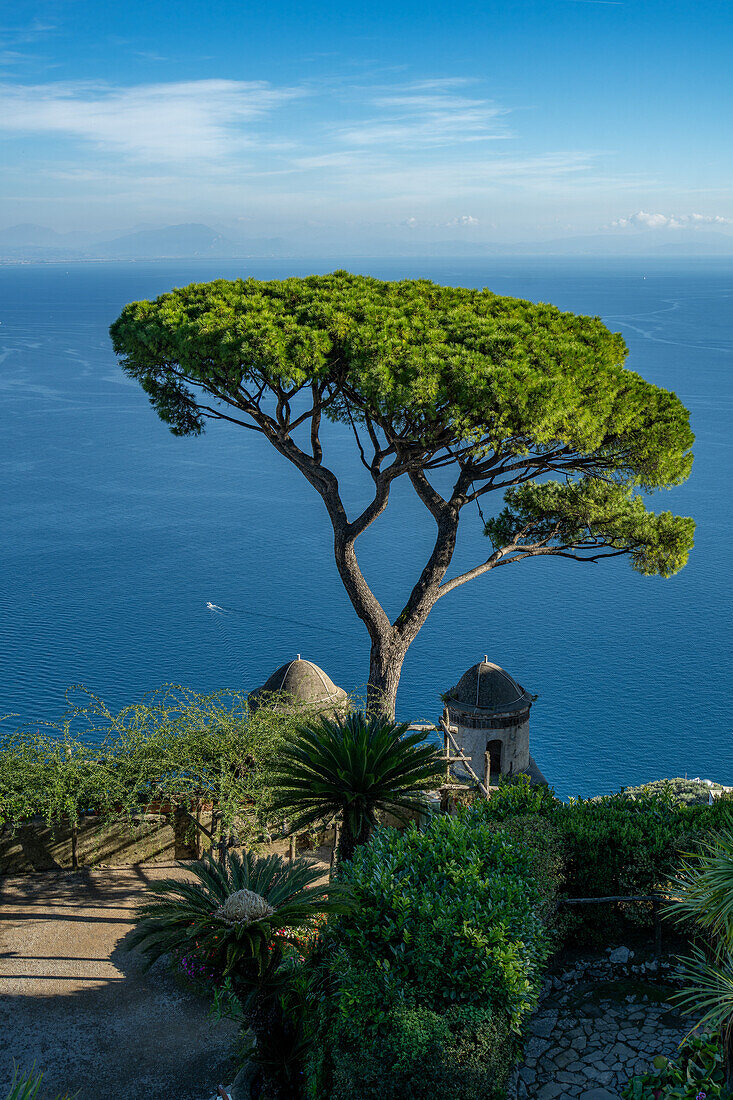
x: 348, y: 842
x: 728, y: 1054
x: 385, y: 667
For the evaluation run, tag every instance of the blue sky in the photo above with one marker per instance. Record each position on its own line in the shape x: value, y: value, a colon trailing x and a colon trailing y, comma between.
x: 519, y: 120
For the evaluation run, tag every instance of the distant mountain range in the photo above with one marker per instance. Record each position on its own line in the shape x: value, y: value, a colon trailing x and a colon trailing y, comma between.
x: 649, y: 242
x: 28, y: 242
x: 36, y: 242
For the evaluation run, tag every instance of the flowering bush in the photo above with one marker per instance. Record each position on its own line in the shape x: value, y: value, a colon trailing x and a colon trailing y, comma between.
x: 202, y: 967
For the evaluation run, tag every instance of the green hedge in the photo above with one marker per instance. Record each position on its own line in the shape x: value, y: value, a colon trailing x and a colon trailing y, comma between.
x: 693, y: 792
x: 426, y: 982
x: 620, y: 844
x: 462, y: 1054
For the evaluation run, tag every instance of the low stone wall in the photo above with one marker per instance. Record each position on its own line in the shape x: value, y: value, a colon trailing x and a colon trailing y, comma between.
x: 149, y: 838
x: 146, y: 838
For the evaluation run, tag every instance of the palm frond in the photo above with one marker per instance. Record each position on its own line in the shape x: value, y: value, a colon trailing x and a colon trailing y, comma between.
x: 182, y: 912
x: 354, y: 767
x: 702, y: 890
x: 26, y: 1086
x: 708, y: 992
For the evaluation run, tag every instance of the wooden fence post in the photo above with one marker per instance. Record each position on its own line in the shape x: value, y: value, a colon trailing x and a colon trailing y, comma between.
x: 446, y: 744
x: 332, y: 862
x: 74, y: 830
x: 197, y: 840
x: 657, y: 928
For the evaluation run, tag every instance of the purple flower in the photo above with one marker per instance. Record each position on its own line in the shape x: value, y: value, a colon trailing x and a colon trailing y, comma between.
x: 701, y: 1096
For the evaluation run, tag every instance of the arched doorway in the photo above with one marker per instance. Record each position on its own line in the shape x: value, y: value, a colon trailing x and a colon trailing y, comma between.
x: 494, y: 749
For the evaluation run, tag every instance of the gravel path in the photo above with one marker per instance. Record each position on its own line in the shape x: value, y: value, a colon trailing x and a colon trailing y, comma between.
x: 75, y: 1001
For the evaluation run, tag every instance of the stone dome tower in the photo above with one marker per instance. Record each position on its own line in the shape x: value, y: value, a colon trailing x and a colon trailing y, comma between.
x: 491, y: 713
x: 300, y: 683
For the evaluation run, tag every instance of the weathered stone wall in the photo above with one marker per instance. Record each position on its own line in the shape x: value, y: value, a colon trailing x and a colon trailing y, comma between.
x: 514, y: 739
x: 150, y: 838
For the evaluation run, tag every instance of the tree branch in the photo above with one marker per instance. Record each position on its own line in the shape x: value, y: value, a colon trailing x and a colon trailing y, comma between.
x: 316, y: 448
x: 499, y: 558
x: 431, y: 498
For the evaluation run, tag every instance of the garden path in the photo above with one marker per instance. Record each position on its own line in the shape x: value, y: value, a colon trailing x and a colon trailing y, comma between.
x: 76, y: 1003
x: 599, y: 1023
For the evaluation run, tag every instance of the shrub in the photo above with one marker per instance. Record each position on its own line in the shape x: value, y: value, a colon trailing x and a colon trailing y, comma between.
x: 462, y: 1053
x: 695, y: 1074
x: 175, y: 747
x: 615, y: 845
x: 438, y: 962
x: 691, y: 792
x: 516, y: 797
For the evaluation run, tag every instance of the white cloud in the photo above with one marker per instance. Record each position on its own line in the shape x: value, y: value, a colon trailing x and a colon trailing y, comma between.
x: 340, y: 151
x: 152, y: 122
x: 643, y: 220
x: 463, y: 220
x: 430, y: 113
x: 460, y: 222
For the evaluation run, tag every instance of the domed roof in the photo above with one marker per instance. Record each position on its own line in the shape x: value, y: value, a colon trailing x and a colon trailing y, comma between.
x: 486, y: 687
x: 300, y: 683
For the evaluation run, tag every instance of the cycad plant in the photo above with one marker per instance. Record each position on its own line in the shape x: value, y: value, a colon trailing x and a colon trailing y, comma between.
x: 702, y: 893
x: 244, y: 914
x: 350, y: 768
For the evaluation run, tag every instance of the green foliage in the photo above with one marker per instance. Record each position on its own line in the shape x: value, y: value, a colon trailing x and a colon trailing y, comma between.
x: 247, y: 917
x: 452, y: 911
x: 544, y: 850
x: 708, y: 986
x: 351, y: 768
x: 460, y: 1054
x: 515, y: 796
x: 617, y: 845
x: 696, y: 1073
x: 589, y: 515
x: 175, y: 747
x: 439, y: 359
x: 25, y: 1086
x: 702, y: 889
x: 444, y: 946
x: 182, y: 913
x: 693, y: 792
x: 702, y: 894
x: 506, y: 387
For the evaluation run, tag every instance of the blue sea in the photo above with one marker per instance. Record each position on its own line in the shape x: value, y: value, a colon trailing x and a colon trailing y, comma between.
x: 116, y: 535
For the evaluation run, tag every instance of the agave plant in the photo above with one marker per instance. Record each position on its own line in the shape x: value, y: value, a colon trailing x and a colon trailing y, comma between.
x: 25, y: 1086
x: 244, y: 914
x: 350, y: 768
x: 702, y: 893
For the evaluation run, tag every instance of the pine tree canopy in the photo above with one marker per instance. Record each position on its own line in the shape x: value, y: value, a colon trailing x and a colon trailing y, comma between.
x: 506, y: 392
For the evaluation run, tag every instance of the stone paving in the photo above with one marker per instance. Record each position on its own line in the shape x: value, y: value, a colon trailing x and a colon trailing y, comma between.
x: 598, y: 1024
